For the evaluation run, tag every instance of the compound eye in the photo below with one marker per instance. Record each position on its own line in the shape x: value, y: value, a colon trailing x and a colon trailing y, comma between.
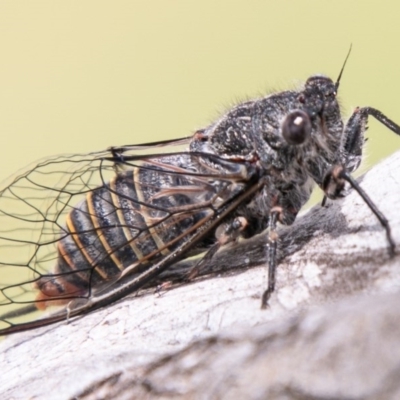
x: 296, y: 127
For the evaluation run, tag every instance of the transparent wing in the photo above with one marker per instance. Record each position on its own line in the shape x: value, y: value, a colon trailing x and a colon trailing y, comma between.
x: 75, y: 227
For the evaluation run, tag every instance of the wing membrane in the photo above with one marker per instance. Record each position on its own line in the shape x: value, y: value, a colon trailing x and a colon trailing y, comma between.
x: 76, y: 230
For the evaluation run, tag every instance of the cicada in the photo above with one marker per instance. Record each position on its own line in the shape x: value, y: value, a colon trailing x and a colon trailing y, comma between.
x: 79, y: 232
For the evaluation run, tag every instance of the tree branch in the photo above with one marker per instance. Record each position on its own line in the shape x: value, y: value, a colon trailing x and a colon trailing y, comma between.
x: 209, y: 338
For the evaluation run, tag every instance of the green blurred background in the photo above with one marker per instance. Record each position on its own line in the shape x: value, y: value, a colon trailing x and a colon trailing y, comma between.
x: 79, y: 76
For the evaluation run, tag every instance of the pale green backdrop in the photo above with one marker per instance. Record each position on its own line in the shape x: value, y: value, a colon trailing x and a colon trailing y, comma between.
x: 78, y: 76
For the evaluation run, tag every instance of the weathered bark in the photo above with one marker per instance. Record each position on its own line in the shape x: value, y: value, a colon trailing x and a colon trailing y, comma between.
x: 209, y: 339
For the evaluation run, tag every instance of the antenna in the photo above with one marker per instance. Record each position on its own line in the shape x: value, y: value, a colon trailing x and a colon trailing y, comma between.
x: 341, y: 71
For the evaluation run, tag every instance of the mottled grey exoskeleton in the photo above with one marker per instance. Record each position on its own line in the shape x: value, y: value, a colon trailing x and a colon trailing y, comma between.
x: 295, y: 139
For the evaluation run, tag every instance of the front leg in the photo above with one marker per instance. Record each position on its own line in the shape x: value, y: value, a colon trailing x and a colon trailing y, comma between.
x: 333, y: 187
x: 349, y: 159
x: 353, y: 137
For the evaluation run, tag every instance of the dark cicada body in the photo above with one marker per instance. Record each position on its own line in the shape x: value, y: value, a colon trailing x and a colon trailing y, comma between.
x: 83, y: 231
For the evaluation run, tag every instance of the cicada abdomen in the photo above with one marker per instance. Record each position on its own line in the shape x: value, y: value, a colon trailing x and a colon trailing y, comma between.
x: 125, y: 223
x: 94, y: 222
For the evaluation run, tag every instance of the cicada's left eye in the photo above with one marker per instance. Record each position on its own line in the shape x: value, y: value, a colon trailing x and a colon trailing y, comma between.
x: 296, y: 127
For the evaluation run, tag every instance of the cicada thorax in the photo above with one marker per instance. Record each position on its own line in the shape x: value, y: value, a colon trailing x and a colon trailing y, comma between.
x: 138, y: 217
x: 253, y: 131
x: 294, y: 137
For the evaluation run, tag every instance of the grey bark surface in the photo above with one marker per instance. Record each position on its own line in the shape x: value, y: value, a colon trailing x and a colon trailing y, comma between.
x: 332, y: 329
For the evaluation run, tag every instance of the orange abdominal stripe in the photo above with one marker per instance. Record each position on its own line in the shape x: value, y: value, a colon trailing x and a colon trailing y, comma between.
x: 55, y: 291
